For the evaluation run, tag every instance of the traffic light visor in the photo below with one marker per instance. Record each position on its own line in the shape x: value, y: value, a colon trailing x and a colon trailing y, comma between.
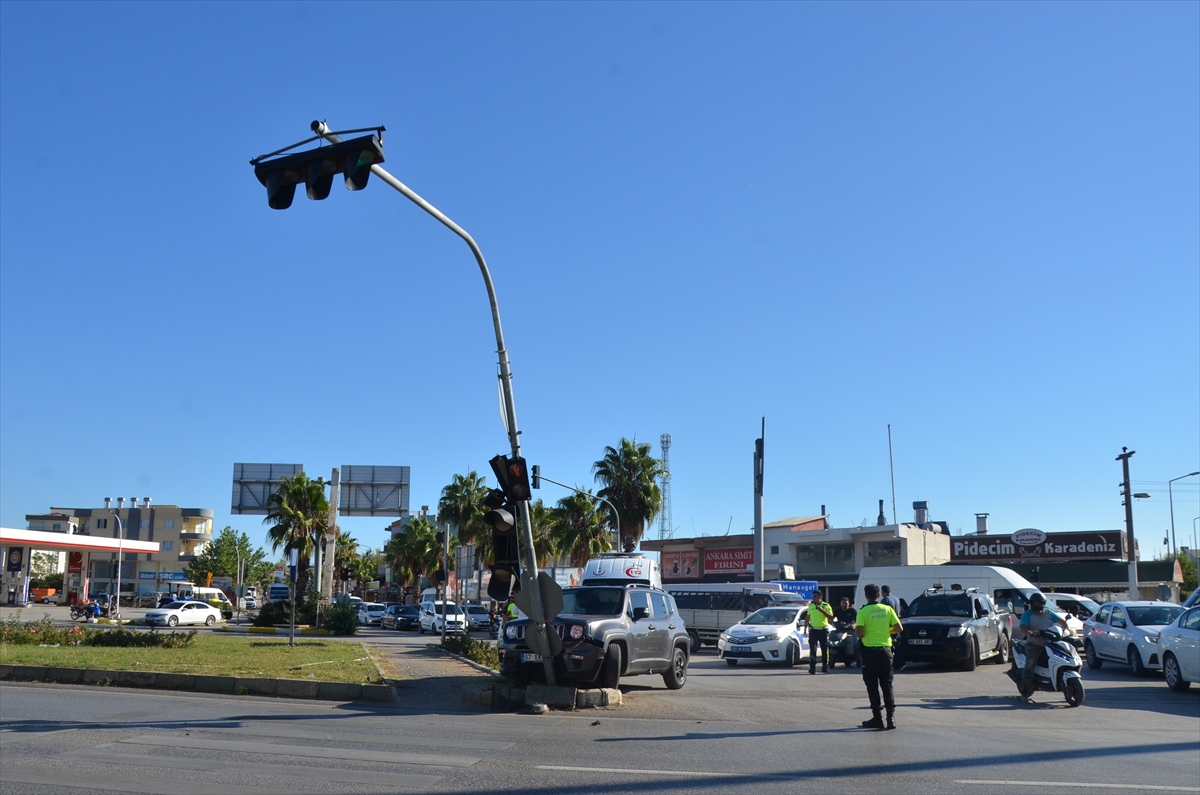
x: 316, y: 167
x: 499, y: 519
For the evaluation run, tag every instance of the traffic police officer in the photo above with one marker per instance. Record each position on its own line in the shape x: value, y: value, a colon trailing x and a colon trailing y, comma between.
x: 876, y: 625
x: 819, y: 616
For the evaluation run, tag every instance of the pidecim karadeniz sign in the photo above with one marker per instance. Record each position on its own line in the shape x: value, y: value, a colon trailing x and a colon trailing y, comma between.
x: 1033, y: 545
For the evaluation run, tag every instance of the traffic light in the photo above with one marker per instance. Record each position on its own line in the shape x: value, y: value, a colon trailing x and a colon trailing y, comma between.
x: 537, y: 476
x: 345, y: 574
x: 316, y: 167
x: 513, y: 477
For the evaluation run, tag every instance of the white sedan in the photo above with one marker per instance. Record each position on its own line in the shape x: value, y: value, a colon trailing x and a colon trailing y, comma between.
x: 371, y: 613
x: 176, y: 613
x: 773, y: 634
x: 1179, y: 650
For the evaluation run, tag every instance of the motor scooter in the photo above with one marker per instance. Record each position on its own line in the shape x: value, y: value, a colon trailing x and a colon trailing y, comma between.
x: 842, y: 644
x: 494, y: 627
x: 1057, y: 668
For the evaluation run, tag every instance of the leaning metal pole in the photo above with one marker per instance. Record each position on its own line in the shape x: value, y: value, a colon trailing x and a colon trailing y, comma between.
x: 529, y: 571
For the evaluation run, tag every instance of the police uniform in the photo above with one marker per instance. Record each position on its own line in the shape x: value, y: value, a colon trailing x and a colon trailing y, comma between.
x: 877, y: 621
x: 818, y: 634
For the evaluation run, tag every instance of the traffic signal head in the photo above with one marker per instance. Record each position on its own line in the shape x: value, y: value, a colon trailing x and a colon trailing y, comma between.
x: 500, y: 520
x: 537, y: 476
x: 316, y: 168
x: 513, y: 477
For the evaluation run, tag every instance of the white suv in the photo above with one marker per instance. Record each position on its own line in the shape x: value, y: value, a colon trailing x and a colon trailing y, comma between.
x: 432, y: 614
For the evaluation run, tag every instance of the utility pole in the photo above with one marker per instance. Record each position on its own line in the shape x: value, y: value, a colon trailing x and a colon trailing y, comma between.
x: 445, y: 576
x: 331, y: 534
x: 759, y: 563
x: 1124, y: 457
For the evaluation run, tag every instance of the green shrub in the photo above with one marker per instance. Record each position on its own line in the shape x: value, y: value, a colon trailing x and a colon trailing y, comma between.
x: 341, y: 618
x: 39, y: 633
x: 480, y: 651
x: 274, y: 613
x: 141, y: 640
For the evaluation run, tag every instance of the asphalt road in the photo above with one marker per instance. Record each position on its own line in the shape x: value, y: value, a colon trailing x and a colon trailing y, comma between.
x: 744, y: 729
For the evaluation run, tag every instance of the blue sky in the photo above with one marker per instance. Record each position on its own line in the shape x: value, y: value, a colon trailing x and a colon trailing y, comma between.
x: 976, y: 222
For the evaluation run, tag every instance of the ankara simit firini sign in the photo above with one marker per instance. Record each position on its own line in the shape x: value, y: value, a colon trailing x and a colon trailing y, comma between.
x: 1032, y: 546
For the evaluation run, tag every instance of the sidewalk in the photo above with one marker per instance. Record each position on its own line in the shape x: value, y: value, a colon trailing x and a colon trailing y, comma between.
x: 429, y: 680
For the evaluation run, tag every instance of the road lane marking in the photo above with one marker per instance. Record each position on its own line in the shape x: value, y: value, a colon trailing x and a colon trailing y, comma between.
x: 631, y: 772
x: 1048, y: 784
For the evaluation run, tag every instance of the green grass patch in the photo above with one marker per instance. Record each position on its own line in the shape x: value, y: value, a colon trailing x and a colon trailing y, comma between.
x: 253, y: 657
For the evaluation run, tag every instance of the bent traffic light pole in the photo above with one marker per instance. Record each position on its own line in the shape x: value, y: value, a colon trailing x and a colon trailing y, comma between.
x: 529, y: 570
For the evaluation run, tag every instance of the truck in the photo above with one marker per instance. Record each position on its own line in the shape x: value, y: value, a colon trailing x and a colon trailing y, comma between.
x: 708, y: 609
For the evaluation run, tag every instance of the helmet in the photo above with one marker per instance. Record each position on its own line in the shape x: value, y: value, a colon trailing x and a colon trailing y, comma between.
x: 1037, y: 600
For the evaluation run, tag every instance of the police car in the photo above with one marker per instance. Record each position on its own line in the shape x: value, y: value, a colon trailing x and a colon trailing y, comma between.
x: 772, y: 634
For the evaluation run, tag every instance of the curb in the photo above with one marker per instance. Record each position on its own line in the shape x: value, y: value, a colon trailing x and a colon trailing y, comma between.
x: 477, y: 666
x: 228, y: 685
x: 270, y: 631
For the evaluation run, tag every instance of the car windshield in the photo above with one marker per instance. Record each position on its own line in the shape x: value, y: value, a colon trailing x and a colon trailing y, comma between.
x: 477, y: 611
x: 442, y: 610
x: 375, y: 608
x: 940, y: 606
x: 772, y: 615
x: 1157, y: 616
x: 593, y: 601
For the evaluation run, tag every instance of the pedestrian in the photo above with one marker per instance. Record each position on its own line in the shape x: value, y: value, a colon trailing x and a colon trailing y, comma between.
x: 877, y: 623
x: 898, y: 651
x: 819, y: 616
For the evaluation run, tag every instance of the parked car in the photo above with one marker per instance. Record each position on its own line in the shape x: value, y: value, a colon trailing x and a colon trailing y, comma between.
x: 433, y: 613
x: 154, y: 599
x: 401, y: 617
x: 607, y: 632
x: 189, y: 612
x: 370, y: 613
x: 960, y: 627
x: 1127, y: 632
x: 1179, y: 650
x: 773, y: 634
x: 479, y: 617
x: 248, y: 603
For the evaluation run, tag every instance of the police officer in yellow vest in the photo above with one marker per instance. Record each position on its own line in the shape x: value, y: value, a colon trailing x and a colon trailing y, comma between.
x: 820, y: 613
x: 875, y: 626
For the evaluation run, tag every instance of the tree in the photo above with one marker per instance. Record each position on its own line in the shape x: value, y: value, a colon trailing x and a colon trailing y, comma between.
x: 545, y: 538
x: 414, y: 552
x: 461, y: 504
x: 298, y: 515
x: 580, y: 528
x: 365, y: 568
x: 629, y: 478
x: 43, y: 571
x: 221, y: 558
x: 1190, y: 580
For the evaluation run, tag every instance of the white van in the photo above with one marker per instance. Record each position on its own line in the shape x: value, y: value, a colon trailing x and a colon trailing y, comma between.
x: 279, y: 592
x: 617, y: 568
x: 1005, y: 587
x: 213, y: 596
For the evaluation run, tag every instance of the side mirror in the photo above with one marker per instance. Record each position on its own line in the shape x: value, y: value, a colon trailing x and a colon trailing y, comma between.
x: 640, y: 612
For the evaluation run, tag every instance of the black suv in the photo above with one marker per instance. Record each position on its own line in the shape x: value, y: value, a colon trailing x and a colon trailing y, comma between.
x: 960, y: 627
x: 607, y: 632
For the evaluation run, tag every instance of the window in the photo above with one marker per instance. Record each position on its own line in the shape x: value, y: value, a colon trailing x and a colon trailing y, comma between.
x: 658, y: 606
x: 1104, y: 613
x: 1011, y: 600
x: 839, y: 558
x: 883, y: 553
x: 168, y: 524
x: 168, y: 546
x: 145, y: 524
x: 639, y: 599
x: 810, y: 559
x: 101, y: 524
x: 1192, y: 619
x: 1118, y: 618
x: 774, y: 550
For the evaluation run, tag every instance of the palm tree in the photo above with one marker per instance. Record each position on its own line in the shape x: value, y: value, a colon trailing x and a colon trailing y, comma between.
x: 461, y: 504
x: 298, y: 515
x: 629, y: 476
x: 580, y: 529
x: 545, y: 538
x: 414, y: 552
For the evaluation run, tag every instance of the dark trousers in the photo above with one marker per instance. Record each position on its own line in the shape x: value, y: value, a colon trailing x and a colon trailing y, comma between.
x: 898, y: 651
x: 877, y: 673
x: 818, y: 637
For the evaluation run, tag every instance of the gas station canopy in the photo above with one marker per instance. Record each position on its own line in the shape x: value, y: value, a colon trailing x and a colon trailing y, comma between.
x: 54, y: 542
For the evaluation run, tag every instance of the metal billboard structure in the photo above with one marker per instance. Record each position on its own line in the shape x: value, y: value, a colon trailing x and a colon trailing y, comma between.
x: 253, y: 485
x: 373, y: 491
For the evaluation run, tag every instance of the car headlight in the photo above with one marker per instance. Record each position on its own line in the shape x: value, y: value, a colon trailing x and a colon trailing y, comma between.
x: 954, y: 632
x: 510, y: 632
x: 726, y: 637
x: 576, y: 632
x: 1151, y: 639
x: 782, y: 633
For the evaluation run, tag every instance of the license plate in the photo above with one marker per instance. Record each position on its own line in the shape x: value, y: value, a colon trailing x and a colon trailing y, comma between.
x: 739, y: 649
x: 920, y: 641
x: 531, y: 658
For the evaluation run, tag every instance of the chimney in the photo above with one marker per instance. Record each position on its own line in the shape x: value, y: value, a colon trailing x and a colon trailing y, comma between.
x: 981, y: 524
x: 108, y: 503
x: 120, y: 503
x: 921, y: 507
x: 882, y: 520
x: 145, y: 502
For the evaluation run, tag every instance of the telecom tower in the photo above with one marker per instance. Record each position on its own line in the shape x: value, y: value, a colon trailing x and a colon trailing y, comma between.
x: 666, y: 525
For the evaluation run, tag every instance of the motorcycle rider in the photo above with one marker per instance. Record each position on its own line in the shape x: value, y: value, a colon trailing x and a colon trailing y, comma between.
x: 1033, y: 621
x: 847, y: 615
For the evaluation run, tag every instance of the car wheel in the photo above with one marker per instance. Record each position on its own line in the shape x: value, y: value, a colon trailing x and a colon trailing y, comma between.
x: 729, y: 661
x: 172, y: 621
x: 1135, y: 662
x: 793, y: 655
x: 208, y: 622
x: 1074, y: 692
x: 676, y: 675
x: 1172, y: 674
x: 1089, y: 653
x: 45, y: 600
x: 972, y: 656
x: 610, y: 669
x: 422, y: 629
x: 1002, y: 650
x: 694, y: 641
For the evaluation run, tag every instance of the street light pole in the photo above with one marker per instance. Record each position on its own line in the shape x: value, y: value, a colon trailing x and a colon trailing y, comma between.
x: 120, y: 560
x: 1171, y: 499
x: 529, y: 572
